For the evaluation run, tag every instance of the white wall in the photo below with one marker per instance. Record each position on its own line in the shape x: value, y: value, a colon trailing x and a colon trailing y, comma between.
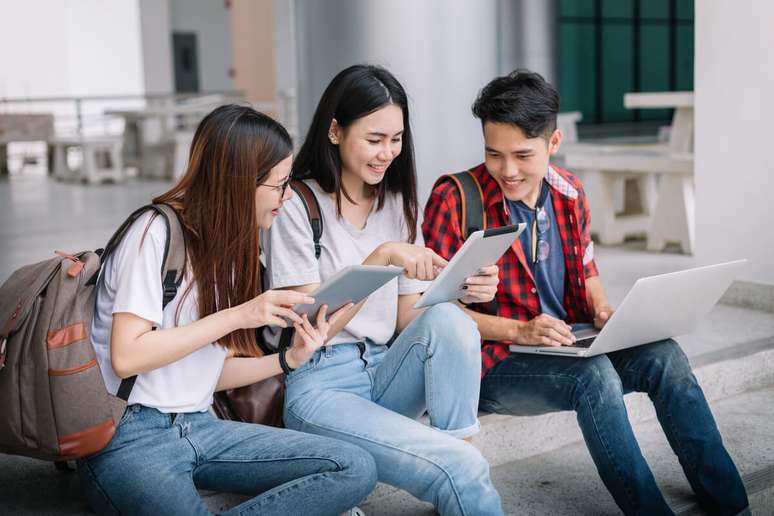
x: 442, y: 51
x: 156, y: 46
x: 734, y: 95
x: 66, y: 48
x: 210, y: 20
x: 528, y: 36
x: 69, y: 47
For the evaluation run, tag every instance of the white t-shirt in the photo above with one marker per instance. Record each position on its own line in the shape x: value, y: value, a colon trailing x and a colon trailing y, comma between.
x: 290, y: 261
x: 131, y: 282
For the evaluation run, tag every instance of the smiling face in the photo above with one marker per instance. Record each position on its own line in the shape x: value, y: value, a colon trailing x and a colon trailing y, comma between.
x: 269, y: 196
x: 369, y: 144
x: 516, y: 162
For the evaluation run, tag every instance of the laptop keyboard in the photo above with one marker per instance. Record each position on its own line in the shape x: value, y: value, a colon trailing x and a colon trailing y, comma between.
x: 583, y: 343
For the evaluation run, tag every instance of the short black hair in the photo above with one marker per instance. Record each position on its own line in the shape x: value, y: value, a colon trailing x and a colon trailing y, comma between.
x: 521, y: 98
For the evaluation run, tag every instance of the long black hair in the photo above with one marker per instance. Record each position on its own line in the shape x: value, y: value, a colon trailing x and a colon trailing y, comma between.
x: 356, y: 92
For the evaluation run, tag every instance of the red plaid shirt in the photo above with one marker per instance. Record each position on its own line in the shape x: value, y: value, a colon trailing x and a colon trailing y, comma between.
x: 517, y: 296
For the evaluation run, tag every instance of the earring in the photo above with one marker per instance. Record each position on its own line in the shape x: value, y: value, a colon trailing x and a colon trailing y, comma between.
x: 332, y: 138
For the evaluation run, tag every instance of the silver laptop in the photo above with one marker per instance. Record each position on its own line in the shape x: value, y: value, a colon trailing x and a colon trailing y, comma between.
x: 656, y: 308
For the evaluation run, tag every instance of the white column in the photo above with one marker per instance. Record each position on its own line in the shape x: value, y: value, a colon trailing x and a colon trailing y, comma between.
x: 528, y: 34
x: 442, y: 51
x: 734, y: 110
x: 156, y: 46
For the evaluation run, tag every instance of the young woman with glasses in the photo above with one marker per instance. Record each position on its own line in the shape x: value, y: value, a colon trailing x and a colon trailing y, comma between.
x: 167, y: 444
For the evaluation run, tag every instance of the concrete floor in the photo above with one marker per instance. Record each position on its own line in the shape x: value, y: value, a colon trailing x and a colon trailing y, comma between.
x: 564, y: 482
x: 40, y: 215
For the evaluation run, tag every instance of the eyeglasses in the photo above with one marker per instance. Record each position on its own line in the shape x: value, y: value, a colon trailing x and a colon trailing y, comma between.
x: 540, y: 227
x: 280, y: 188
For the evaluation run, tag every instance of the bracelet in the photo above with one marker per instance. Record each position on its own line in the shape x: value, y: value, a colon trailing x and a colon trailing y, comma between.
x: 463, y: 303
x: 284, y: 362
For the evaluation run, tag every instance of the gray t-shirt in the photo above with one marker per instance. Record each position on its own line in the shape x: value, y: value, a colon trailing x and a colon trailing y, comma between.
x: 289, y: 253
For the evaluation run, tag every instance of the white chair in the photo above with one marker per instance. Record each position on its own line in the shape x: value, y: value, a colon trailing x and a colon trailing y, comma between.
x: 621, y: 201
x: 101, y: 159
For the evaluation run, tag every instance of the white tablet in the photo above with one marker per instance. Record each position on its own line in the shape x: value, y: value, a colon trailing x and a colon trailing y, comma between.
x: 351, y: 284
x: 481, y: 249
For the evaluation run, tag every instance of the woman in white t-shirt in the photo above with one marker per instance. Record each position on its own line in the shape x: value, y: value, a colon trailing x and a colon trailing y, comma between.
x: 167, y: 444
x: 358, y: 159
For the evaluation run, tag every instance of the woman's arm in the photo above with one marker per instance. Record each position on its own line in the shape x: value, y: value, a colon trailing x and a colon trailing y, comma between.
x: 136, y: 348
x: 238, y: 372
x: 241, y: 371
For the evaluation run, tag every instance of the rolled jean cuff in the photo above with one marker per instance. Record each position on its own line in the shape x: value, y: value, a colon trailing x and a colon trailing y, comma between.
x: 462, y: 433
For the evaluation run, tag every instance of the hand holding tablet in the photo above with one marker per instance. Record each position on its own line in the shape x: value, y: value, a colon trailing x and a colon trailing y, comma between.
x: 482, y: 248
x: 351, y: 284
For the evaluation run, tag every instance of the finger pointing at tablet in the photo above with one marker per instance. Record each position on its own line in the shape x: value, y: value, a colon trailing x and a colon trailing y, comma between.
x: 419, y: 262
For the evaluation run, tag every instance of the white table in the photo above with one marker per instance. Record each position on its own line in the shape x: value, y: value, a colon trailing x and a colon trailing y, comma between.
x: 681, y: 136
x: 670, y: 205
x: 675, y: 208
x: 101, y: 159
x: 157, y: 138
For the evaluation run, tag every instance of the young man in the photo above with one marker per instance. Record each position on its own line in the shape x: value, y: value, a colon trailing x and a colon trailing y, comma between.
x: 549, y: 281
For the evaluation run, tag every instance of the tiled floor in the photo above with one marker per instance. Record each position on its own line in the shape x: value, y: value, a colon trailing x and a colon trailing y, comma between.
x: 39, y: 215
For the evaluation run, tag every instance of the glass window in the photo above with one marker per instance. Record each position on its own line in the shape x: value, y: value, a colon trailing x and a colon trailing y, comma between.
x: 577, y: 71
x: 617, y: 9
x: 684, y: 57
x: 617, y: 72
x: 611, y: 47
x: 654, y: 66
x: 685, y: 10
x: 654, y: 9
x: 577, y: 7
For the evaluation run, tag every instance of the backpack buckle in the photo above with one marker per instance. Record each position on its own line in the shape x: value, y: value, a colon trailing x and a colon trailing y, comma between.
x: 3, y: 342
x: 169, y: 293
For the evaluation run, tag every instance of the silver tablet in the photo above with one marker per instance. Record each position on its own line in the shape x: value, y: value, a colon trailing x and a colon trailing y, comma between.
x: 481, y: 249
x: 351, y: 284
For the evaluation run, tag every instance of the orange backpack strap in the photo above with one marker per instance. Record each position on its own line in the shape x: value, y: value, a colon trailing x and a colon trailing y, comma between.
x: 472, y: 215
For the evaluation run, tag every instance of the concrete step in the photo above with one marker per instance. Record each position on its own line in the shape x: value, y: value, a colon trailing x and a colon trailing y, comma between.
x: 724, y: 366
x: 733, y: 352
x: 505, y: 438
x: 564, y: 481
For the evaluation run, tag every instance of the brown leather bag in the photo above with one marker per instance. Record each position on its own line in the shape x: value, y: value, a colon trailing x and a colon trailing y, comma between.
x: 261, y: 402
x: 257, y: 403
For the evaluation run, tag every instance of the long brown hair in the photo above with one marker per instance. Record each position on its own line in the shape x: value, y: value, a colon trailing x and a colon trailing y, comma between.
x: 233, y: 150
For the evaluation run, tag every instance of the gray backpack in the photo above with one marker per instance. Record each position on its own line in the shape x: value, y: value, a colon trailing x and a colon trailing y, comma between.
x: 53, y: 400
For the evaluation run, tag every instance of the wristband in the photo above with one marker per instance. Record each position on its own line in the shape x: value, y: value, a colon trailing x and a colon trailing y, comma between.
x: 284, y: 362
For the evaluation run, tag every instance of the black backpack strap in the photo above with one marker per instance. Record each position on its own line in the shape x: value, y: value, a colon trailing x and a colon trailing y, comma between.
x: 172, y: 265
x: 312, y: 208
x: 472, y: 214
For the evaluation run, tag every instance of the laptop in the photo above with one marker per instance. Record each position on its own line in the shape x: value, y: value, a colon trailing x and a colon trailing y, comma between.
x: 656, y: 308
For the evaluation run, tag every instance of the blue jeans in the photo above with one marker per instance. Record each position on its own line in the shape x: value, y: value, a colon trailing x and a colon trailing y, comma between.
x: 156, y: 462
x: 370, y: 395
x: 525, y: 384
